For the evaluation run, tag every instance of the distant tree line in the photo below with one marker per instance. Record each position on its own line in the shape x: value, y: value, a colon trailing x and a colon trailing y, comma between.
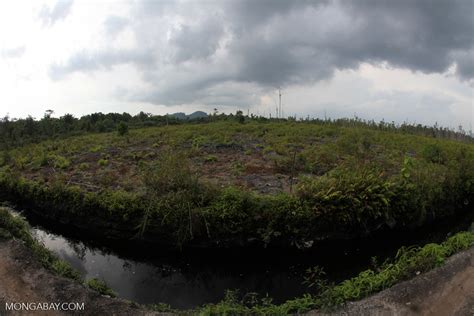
x: 17, y: 132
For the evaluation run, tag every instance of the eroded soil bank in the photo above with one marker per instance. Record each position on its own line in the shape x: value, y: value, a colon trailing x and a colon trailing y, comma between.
x: 448, y: 290
x: 24, y: 280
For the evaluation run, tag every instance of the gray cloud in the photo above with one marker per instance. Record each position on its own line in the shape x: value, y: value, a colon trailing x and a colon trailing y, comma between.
x: 85, y: 62
x: 49, y: 16
x: 114, y: 25
x: 15, y: 52
x: 465, y: 64
x: 266, y: 43
x: 197, y: 42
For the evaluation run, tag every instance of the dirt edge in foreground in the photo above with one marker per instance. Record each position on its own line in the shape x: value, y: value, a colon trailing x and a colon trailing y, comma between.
x: 25, y: 280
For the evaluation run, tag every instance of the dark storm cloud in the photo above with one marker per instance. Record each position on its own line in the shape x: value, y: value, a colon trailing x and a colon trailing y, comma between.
x: 418, y: 35
x: 49, y: 16
x: 277, y: 43
x: 197, y: 42
x: 465, y: 64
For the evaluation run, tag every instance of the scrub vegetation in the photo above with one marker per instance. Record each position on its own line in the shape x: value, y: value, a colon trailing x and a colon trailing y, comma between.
x: 223, y: 181
x: 409, y: 262
x: 101, y: 287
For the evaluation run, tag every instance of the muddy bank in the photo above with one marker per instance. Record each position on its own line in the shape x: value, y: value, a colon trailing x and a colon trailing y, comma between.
x: 25, y: 280
x: 447, y: 290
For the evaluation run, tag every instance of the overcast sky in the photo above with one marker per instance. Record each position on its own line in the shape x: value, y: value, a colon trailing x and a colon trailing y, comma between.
x: 396, y: 60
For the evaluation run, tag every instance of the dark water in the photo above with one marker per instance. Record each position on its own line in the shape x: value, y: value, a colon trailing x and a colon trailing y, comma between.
x: 148, y: 274
x: 182, y: 281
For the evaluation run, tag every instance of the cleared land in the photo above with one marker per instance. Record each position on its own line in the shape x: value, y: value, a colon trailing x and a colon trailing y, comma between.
x: 223, y: 184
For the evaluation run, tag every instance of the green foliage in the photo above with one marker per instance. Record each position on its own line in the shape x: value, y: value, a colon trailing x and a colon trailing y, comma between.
x: 101, y: 287
x: 433, y: 153
x: 174, y: 199
x: 251, y: 304
x: 5, y: 158
x: 408, y: 262
x: 122, y: 129
x: 95, y: 149
x: 198, y: 142
x: 351, y: 198
x: 170, y: 173
x: 103, y: 162
x: 83, y: 166
x: 42, y: 160
x: 60, y: 162
x: 162, y: 308
x: 211, y: 158
x: 239, y: 115
x: 237, y: 168
x: 315, y: 278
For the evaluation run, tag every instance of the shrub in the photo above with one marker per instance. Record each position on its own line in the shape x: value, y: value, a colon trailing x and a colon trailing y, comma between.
x: 433, y: 153
x: 83, y: 166
x: 5, y: 158
x: 101, y: 287
x: 170, y: 173
x: 122, y: 129
x: 103, y: 162
x: 60, y: 162
x: 211, y: 158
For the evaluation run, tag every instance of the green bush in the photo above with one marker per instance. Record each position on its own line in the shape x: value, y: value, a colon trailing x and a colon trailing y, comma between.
x: 103, y: 162
x: 122, y: 129
x: 5, y: 158
x: 407, y: 263
x: 433, y: 153
x: 211, y: 158
x: 101, y: 287
x: 83, y: 166
x: 60, y: 162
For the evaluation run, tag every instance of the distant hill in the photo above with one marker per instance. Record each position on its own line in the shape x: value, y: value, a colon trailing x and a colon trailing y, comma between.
x: 192, y: 116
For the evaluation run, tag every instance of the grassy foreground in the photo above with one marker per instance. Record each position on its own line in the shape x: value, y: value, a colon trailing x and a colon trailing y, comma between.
x: 408, y: 262
x: 226, y: 183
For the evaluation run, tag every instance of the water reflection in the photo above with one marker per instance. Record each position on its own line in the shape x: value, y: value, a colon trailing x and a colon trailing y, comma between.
x: 183, y: 285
